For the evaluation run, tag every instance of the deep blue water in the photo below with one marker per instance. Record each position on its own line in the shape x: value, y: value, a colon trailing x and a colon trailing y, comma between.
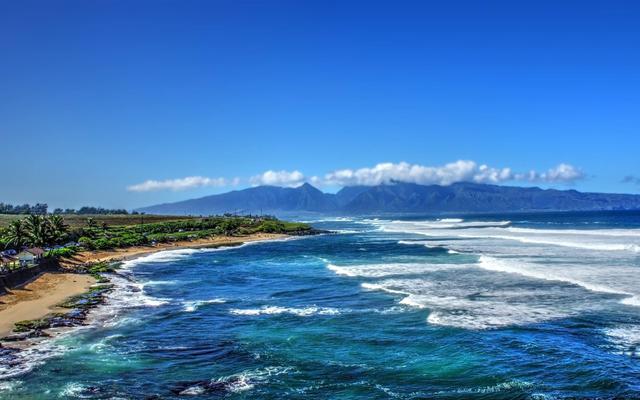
x: 530, y: 306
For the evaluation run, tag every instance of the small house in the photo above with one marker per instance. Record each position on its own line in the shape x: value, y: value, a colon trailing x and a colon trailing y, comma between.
x: 30, y: 256
x: 7, y: 262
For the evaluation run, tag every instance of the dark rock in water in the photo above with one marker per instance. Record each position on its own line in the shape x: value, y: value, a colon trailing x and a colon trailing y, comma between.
x: 76, y: 314
x: 15, y: 338
x: 58, y: 322
x: 9, y: 356
x: 309, y: 232
x: 39, y: 333
x: 92, y: 390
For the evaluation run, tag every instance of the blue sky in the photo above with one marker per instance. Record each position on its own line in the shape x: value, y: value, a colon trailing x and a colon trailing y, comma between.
x: 101, y: 96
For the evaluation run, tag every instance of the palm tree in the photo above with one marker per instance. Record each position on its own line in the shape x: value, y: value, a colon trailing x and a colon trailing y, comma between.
x: 58, y: 228
x: 38, y: 230
x: 16, y: 234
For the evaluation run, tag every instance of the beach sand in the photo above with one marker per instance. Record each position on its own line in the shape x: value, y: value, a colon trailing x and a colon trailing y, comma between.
x: 40, y: 297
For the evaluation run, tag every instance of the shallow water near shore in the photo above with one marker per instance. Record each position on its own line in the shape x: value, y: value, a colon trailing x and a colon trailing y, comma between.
x: 525, y: 306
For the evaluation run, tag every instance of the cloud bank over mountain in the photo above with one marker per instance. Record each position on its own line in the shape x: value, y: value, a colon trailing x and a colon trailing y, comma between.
x: 458, y: 171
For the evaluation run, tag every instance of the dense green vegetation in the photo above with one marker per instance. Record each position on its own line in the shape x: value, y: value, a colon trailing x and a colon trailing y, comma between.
x: 34, y: 230
x: 99, y: 238
x: 93, y: 211
x: 76, y: 221
x: 38, y: 230
x: 41, y: 209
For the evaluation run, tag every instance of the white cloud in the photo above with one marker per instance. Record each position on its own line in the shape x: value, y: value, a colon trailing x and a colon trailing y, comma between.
x: 278, y: 178
x: 189, y: 182
x: 459, y: 171
x: 563, y: 173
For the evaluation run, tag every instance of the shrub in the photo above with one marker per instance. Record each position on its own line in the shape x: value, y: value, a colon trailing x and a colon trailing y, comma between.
x: 61, y: 252
x: 87, y: 243
x: 28, y: 325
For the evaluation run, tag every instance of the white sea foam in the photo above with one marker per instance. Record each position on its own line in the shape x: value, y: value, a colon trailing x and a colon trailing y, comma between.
x: 275, y: 310
x: 162, y: 283
x: 565, y: 241
x: 193, y: 305
x: 195, y: 390
x: 330, y: 219
x: 105, y: 344
x: 247, y: 380
x: 463, y: 302
x: 579, y: 232
x: 625, y: 338
x: 36, y: 353
x: 622, y: 281
x: 391, y: 269
x: 72, y: 390
x: 500, y: 387
x: 451, y: 220
x: 240, y: 382
x: 453, y: 224
x: 346, y: 231
x: 167, y: 256
x: 164, y: 256
x: 621, y: 240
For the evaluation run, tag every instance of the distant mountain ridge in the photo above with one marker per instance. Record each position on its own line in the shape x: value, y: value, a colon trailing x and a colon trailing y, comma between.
x: 400, y: 198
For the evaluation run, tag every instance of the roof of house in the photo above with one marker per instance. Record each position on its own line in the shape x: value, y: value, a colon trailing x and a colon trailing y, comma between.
x: 36, y: 251
x: 4, y: 259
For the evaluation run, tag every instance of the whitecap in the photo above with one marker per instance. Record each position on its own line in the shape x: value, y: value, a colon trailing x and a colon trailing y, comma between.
x: 391, y: 269
x: 596, y: 279
x: 275, y: 310
x: 193, y: 305
x: 625, y: 339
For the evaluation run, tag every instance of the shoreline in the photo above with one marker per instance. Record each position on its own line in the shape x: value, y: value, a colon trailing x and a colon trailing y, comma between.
x: 41, y: 296
x: 129, y: 253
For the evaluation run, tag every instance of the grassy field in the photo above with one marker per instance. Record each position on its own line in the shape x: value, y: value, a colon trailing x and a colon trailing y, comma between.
x: 76, y: 221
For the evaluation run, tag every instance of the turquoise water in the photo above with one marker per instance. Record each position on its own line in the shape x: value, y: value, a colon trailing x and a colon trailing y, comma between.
x: 529, y: 306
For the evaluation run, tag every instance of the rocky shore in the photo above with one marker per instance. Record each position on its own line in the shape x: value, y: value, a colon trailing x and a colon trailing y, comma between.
x: 78, y: 306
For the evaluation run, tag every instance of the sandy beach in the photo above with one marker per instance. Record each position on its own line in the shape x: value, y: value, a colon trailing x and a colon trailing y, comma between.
x: 40, y: 297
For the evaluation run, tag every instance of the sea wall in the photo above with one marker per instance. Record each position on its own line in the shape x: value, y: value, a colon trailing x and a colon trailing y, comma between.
x: 22, y: 276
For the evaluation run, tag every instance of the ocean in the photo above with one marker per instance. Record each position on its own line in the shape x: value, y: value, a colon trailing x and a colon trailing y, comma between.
x: 510, y: 306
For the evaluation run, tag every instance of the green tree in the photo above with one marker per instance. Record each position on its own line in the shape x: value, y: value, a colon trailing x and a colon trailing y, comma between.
x: 16, y: 234
x: 38, y: 230
x: 58, y: 228
x: 229, y: 226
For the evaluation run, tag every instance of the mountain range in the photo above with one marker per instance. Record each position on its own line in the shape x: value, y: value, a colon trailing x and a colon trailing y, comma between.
x: 397, y: 197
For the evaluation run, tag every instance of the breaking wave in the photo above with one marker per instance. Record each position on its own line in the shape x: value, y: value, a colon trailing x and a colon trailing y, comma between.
x: 276, y: 310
